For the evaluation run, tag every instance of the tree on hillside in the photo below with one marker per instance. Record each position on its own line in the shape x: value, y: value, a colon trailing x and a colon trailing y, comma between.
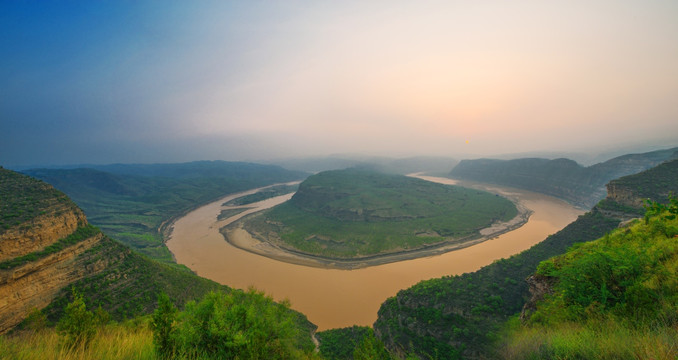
x: 236, y: 325
x: 77, y: 327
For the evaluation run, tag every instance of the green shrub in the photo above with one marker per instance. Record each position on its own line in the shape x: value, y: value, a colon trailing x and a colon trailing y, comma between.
x: 36, y: 320
x: 234, y: 326
x: 77, y: 327
x: 163, y: 326
x: 371, y: 348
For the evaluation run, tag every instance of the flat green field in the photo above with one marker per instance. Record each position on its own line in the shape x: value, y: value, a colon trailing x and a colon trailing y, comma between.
x: 353, y: 213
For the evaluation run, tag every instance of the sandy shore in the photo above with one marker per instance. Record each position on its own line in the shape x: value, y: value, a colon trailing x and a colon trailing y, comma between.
x: 236, y: 235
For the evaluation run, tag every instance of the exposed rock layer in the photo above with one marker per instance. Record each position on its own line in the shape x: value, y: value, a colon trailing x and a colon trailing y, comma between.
x: 35, y: 284
x: 40, y: 232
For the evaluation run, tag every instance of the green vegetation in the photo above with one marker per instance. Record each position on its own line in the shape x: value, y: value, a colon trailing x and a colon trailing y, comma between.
x: 238, y: 325
x: 655, y: 184
x: 23, y: 198
x: 77, y: 326
x: 262, y: 195
x: 616, y: 297
x: 349, y: 213
x: 129, y: 284
x: 442, y: 318
x: 593, y: 339
x: 234, y: 325
x: 371, y: 348
x: 455, y: 315
x: 132, y: 202
x: 162, y: 324
x: 563, y: 178
x: 81, y: 233
x: 126, y: 340
x: 339, y: 344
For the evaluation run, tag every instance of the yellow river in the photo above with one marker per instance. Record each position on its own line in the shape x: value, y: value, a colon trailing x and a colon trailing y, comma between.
x: 333, y: 298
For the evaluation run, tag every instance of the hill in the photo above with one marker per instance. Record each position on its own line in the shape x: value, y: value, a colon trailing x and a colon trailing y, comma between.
x: 41, y: 236
x: 52, y: 251
x: 357, y: 213
x: 562, y: 178
x: 615, y: 297
x: 458, y: 316
x: 403, y: 166
x: 134, y: 203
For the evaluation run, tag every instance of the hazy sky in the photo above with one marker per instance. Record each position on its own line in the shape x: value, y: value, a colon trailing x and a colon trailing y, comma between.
x: 164, y: 81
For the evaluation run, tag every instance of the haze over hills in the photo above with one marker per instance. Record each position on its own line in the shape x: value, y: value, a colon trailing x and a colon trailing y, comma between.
x: 403, y: 166
x: 450, y: 317
x: 131, y: 202
x: 563, y: 178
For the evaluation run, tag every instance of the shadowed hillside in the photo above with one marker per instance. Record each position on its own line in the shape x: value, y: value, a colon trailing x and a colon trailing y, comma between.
x: 562, y: 178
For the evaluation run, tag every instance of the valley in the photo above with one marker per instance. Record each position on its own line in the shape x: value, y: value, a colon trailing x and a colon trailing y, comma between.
x: 333, y: 298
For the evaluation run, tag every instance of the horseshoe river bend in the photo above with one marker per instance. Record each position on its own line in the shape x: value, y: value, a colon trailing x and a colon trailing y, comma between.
x: 335, y: 298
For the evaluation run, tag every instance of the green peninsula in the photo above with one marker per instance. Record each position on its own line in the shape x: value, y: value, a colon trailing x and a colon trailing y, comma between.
x: 355, y: 213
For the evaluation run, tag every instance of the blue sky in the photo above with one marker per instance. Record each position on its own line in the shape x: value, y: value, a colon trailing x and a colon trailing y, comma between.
x: 164, y: 81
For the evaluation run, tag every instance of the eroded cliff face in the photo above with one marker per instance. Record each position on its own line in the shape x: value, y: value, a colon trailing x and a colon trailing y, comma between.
x: 622, y: 195
x: 33, y: 216
x: 540, y: 286
x: 35, y: 284
x: 40, y: 232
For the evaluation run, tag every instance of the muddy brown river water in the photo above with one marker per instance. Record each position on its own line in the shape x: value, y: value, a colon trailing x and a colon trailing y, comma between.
x: 333, y: 298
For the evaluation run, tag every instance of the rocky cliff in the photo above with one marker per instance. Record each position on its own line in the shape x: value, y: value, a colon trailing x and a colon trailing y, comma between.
x: 40, y: 232
x: 625, y: 199
x: 562, y: 178
x: 40, y: 246
x: 35, y: 284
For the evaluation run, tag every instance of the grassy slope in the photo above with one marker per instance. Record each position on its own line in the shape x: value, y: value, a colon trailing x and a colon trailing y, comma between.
x: 131, y: 202
x: 446, y: 317
x: 23, y: 198
x: 126, y: 284
x: 129, y: 285
x: 613, y: 298
x: 443, y: 317
x: 353, y: 212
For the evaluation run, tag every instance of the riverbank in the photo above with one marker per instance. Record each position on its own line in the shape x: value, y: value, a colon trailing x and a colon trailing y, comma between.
x: 236, y: 235
x: 332, y: 298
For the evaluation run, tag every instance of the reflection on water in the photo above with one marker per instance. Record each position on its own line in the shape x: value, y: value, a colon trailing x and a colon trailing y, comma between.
x: 340, y: 298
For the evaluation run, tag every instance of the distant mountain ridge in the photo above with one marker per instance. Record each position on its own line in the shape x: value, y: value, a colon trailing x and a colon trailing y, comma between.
x: 132, y: 202
x: 562, y: 178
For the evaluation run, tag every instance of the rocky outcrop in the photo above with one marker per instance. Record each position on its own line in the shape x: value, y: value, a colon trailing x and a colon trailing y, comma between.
x: 36, y: 283
x: 38, y: 255
x: 621, y: 194
x: 562, y: 178
x: 540, y: 286
x: 40, y: 232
